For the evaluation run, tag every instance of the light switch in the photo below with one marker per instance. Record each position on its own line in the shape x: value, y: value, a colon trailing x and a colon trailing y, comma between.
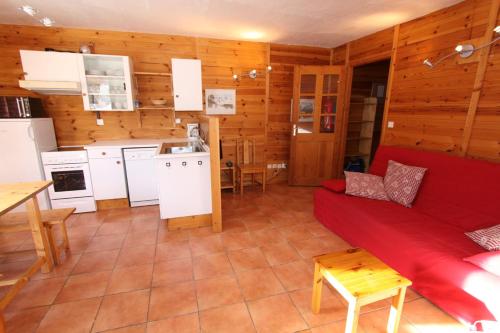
x: 178, y: 120
x: 390, y: 124
x: 100, y: 122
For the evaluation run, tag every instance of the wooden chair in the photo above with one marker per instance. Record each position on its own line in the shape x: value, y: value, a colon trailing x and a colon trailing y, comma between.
x: 246, y: 163
x: 15, y: 222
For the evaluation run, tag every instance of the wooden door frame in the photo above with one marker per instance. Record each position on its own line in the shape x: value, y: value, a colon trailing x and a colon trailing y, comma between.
x: 303, y: 69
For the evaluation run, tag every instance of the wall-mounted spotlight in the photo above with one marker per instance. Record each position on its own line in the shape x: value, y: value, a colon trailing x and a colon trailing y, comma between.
x: 31, y: 11
x: 28, y: 10
x: 464, y: 50
x: 47, y: 21
x: 253, y: 74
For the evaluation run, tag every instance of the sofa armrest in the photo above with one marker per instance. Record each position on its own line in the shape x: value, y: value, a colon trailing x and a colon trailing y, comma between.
x: 334, y: 185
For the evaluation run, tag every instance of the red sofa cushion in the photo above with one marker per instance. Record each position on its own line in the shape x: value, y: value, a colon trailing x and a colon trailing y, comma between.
x: 335, y: 185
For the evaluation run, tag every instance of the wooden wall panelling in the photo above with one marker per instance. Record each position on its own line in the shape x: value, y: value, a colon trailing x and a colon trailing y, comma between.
x: 430, y: 106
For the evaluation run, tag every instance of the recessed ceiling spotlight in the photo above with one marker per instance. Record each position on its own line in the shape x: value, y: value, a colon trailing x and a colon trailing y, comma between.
x: 28, y: 10
x: 497, y: 29
x: 47, y: 21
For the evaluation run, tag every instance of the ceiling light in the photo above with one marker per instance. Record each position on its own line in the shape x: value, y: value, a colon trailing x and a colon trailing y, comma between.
x: 47, y: 21
x: 28, y: 10
x: 252, y: 35
x: 465, y: 50
x: 497, y: 29
x: 427, y: 62
x: 269, y: 68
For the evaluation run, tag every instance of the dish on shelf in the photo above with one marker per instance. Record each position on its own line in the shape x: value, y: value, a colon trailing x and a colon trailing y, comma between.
x: 95, y: 72
x: 159, y: 102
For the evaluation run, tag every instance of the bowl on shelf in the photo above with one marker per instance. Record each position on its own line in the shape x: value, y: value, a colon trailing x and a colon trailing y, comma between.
x: 95, y: 72
x: 159, y: 102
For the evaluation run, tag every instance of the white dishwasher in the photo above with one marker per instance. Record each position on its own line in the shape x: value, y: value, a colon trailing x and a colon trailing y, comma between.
x: 141, y: 176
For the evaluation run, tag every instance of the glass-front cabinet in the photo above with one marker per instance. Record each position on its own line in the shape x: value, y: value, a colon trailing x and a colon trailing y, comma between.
x: 106, y: 83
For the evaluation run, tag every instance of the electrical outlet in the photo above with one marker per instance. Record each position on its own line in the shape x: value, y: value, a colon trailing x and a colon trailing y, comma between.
x: 269, y: 166
x: 100, y: 122
x: 390, y: 124
x: 178, y: 121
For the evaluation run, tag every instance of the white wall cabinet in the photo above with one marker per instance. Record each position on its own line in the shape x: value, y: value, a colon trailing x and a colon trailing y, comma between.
x: 107, y: 173
x: 184, y: 186
x: 50, y: 66
x: 187, y: 88
x: 107, y: 83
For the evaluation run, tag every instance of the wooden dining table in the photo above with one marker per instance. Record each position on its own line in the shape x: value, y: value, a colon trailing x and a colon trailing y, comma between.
x: 11, y: 196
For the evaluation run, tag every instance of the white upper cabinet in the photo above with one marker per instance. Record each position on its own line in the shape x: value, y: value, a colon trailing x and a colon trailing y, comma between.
x: 106, y: 82
x: 186, y: 79
x: 50, y: 66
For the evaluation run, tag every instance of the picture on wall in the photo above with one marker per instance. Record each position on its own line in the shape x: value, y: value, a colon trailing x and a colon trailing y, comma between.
x: 220, y: 101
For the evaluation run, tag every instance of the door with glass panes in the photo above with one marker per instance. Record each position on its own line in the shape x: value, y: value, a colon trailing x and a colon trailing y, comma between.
x: 317, y: 100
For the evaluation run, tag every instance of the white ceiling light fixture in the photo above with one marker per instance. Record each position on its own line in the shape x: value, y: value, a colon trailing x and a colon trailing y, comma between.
x: 47, y: 21
x: 464, y: 50
x: 28, y: 10
x: 253, y: 74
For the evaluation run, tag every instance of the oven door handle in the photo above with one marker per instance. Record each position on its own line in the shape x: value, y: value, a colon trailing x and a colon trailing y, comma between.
x: 75, y: 167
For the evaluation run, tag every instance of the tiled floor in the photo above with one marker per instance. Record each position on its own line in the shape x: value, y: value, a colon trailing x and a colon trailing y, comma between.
x: 127, y: 273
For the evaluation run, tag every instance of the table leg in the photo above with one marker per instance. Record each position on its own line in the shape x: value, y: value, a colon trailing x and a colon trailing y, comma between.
x: 351, y: 324
x: 38, y: 233
x: 395, y: 312
x: 317, y: 287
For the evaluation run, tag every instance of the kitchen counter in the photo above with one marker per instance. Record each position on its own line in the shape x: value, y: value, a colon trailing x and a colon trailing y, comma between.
x: 134, y: 143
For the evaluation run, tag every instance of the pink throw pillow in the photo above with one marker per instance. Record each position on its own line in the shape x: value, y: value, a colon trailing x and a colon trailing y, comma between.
x: 489, y: 238
x: 365, y: 185
x: 489, y: 261
x: 402, y: 182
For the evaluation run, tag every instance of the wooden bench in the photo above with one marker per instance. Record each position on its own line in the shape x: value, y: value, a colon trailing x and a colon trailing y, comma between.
x: 16, y: 222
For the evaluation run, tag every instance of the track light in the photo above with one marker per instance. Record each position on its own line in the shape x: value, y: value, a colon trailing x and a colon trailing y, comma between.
x: 253, y: 74
x: 47, y: 21
x: 464, y: 50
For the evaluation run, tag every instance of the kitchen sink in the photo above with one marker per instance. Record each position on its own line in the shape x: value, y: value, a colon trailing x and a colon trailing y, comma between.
x: 181, y: 148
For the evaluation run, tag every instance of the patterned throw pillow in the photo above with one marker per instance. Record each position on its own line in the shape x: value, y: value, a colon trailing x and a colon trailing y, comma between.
x: 401, y: 182
x: 365, y: 185
x: 489, y: 238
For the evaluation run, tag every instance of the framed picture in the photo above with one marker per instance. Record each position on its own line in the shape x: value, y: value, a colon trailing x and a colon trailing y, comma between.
x: 220, y: 101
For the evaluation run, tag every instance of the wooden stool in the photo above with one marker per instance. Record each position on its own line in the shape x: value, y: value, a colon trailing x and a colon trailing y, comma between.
x: 361, y: 279
x: 15, y: 222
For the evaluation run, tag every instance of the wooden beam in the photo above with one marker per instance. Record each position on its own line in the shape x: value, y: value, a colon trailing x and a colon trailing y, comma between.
x: 390, y: 79
x: 478, y: 81
x: 344, y: 115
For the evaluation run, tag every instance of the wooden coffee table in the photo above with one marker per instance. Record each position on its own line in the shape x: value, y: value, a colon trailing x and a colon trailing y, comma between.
x: 361, y: 278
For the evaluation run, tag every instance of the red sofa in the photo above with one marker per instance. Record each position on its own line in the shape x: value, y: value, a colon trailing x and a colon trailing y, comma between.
x: 426, y: 243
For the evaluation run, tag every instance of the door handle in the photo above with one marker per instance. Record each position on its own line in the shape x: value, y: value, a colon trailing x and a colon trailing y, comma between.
x: 167, y: 164
x: 294, y: 130
x: 200, y: 162
x: 184, y: 163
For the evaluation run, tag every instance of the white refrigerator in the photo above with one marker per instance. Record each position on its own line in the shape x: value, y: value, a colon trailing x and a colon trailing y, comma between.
x: 21, y: 142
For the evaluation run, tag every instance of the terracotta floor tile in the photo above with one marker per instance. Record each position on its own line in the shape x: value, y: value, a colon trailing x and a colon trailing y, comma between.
x: 332, y: 309
x: 256, y: 223
x: 309, y: 248
x: 130, y: 329
x: 122, y: 310
x: 245, y: 259
x: 181, y: 324
x: 83, y: 286
x: 217, y: 291
x: 206, y: 245
x: 294, y: 275
x: 24, y: 321
x: 427, y: 318
x: 279, y: 253
x: 134, y: 256
x: 130, y: 278
x: 172, y: 300
x: 211, y: 265
x: 140, y: 238
x: 376, y: 321
x: 172, y: 250
x: 143, y: 225
x: 83, y: 230
x: 276, y: 314
x: 237, y: 240
x: 165, y: 235
x: 37, y: 293
x: 227, y: 319
x: 317, y: 229
x: 79, y: 244
x: 107, y: 242
x: 113, y: 228
x: 267, y: 236
x: 96, y: 261
x: 172, y: 271
x: 63, y: 269
x: 296, y: 232
x: 259, y: 283
x: 201, y: 232
x: 75, y: 316
x: 234, y: 227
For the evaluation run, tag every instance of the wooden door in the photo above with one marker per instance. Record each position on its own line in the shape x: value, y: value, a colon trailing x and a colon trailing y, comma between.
x: 317, y: 101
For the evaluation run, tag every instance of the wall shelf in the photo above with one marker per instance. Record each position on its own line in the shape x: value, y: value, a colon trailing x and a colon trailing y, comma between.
x: 155, y: 108
x: 152, y: 74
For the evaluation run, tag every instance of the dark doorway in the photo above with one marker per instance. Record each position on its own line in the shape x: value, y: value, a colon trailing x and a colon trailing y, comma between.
x: 366, y: 111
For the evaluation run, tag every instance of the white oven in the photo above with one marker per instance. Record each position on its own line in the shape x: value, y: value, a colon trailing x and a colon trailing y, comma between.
x: 72, y: 185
